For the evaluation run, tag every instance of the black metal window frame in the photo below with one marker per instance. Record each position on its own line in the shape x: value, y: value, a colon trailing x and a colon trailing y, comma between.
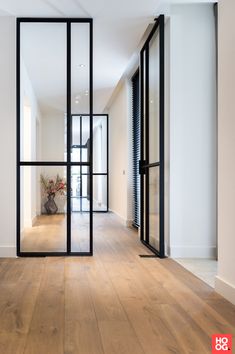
x: 144, y: 161
x: 107, y: 156
x: 68, y: 164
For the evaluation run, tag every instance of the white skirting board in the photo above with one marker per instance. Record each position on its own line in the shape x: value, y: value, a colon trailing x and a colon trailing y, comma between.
x: 125, y: 222
x: 192, y: 252
x: 225, y: 289
x: 7, y: 251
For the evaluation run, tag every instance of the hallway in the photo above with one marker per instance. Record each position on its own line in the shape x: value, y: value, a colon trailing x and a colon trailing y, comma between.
x: 114, y: 302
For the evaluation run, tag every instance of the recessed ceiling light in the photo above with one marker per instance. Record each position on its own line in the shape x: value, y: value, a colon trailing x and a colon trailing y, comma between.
x: 86, y: 93
x: 76, y: 101
x: 77, y: 97
x: 81, y: 65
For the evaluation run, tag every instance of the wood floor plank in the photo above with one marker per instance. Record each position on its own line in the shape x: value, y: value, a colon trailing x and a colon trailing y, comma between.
x: 119, y: 337
x: 151, y: 330
x: 46, y: 334
x: 12, y: 343
x: 106, y: 303
x: 18, y: 295
x: 82, y: 334
x: 205, y: 316
x: 82, y: 337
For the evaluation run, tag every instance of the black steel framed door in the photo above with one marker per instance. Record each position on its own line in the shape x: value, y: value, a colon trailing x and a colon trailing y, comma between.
x: 152, y: 139
x: 66, y: 233
x: 80, y: 146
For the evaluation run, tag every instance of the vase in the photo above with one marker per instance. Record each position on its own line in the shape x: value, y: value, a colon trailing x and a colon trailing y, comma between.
x: 50, y: 205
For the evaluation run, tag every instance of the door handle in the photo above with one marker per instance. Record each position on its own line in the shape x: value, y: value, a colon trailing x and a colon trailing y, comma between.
x: 142, y: 169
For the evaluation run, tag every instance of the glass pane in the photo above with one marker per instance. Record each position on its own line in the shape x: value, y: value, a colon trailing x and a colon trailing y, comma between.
x: 154, y: 98
x: 100, y: 144
x: 43, y: 209
x: 76, y: 130
x: 43, y: 92
x: 80, y: 95
x: 80, y: 151
x: 99, y: 193
x: 80, y: 189
x: 80, y: 207
x: 154, y: 203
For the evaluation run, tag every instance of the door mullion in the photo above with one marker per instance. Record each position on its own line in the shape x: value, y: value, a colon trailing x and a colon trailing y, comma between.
x: 162, y: 137
x: 69, y: 132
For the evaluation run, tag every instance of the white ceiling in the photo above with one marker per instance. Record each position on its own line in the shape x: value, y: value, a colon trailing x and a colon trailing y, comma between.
x: 118, y: 28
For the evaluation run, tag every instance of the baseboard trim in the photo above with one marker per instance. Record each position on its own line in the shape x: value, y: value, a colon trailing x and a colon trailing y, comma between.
x: 123, y: 221
x: 7, y: 251
x: 225, y: 289
x: 192, y: 252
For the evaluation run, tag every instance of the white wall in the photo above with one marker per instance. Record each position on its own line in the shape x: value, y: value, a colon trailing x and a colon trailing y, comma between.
x: 30, y: 149
x: 53, y: 149
x: 100, y: 161
x: 225, y: 282
x: 7, y: 137
x: 53, y: 135
x: 192, y: 131
x: 120, y: 166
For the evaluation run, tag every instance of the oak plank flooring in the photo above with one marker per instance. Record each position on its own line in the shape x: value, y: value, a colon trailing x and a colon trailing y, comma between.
x: 46, y: 333
x: 81, y: 328
x: 114, y: 302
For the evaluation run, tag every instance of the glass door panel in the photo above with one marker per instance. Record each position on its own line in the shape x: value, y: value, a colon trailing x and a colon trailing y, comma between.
x: 43, y: 92
x: 54, y: 146
x: 80, y: 211
x: 43, y: 209
x: 80, y: 152
x: 154, y: 94
x: 152, y: 139
x: 80, y: 69
x: 154, y: 207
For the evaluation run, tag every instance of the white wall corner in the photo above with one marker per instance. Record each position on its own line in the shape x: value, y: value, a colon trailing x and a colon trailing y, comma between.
x: 193, y: 252
x: 226, y: 289
x: 129, y: 223
x: 7, y: 251
x: 121, y: 219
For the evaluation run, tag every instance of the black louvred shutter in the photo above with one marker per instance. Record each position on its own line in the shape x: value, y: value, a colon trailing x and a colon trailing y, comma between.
x: 136, y: 146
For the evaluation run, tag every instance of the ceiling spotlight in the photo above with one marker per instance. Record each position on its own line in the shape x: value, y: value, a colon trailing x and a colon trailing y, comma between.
x: 86, y: 93
x: 77, y: 97
x: 81, y: 65
x: 76, y: 101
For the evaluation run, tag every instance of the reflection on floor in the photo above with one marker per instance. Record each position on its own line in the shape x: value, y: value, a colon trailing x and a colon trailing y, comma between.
x: 84, y: 205
x: 205, y: 269
x: 154, y: 230
x: 49, y: 234
x: 113, y: 302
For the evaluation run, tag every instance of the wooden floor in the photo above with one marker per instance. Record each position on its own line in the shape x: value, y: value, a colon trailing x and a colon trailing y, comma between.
x: 48, y: 234
x: 112, y: 303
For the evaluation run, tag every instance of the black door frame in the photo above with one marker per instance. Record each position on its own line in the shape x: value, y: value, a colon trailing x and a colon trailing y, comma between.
x: 107, y: 156
x: 144, y: 162
x: 68, y: 164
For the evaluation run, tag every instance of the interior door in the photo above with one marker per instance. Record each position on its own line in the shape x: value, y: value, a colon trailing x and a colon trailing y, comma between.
x: 152, y: 139
x: 54, y: 83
